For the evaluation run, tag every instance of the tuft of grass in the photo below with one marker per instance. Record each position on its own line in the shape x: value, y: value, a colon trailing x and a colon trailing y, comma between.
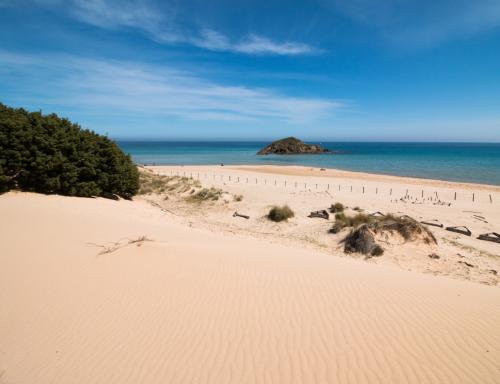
x: 357, y: 209
x: 337, y: 207
x: 152, y: 183
x: 238, y: 197
x: 377, y: 250
x: 280, y: 213
x: 407, y: 227
x: 206, y: 194
x: 342, y: 221
x: 352, y: 221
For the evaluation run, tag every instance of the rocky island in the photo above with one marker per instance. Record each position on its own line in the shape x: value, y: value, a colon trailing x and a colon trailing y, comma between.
x: 291, y: 146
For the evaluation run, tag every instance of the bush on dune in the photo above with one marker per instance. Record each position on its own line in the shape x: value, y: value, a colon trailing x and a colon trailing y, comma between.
x: 206, y: 194
x: 280, y: 213
x: 49, y: 154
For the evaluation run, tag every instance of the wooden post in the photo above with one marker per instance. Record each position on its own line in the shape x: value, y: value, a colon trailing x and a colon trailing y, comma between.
x: 255, y: 180
x: 328, y: 186
x: 363, y: 189
x: 316, y: 186
x: 376, y: 191
x: 473, y: 196
x: 339, y: 187
x: 285, y: 183
x: 390, y: 193
x: 422, y: 193
x: 351, y: 188
x: 491, y: 200
x: 455, y: 195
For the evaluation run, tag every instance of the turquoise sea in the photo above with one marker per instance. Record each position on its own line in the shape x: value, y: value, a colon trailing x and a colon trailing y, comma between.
x: 469, y: 162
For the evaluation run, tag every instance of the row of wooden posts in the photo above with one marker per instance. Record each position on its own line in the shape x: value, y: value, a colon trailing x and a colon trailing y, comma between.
x: 316, y: 184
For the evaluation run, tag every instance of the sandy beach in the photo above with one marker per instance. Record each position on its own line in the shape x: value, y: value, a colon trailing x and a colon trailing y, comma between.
x: 162, y: 290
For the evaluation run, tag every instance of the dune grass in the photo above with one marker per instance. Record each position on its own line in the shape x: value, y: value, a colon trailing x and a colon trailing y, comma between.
x: 278, y: 214
x: 206, y: 194
x: 337, y: 208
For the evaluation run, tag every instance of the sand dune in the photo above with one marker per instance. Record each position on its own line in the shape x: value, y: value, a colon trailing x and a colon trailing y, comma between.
x: 309, y: 189
x: 192, y: 306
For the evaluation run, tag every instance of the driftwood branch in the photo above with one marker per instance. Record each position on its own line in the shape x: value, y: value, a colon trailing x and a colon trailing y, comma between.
x: 322, y: 214
x: 236, y: 214
x: 460, y: 229
x: 493, y: 236
x: 434, y: 223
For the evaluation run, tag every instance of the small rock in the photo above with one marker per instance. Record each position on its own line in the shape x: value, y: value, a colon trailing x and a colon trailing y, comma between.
x: 494, y: 271
x: 434, y: 256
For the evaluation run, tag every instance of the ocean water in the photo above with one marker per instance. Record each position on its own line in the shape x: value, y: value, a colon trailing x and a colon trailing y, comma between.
x: 469, y: 162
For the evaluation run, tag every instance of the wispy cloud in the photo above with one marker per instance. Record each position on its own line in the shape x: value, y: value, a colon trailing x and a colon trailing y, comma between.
x: 136, y: 89
x: 162, y: 26
x: 422, y: 23
x: 252, y: 45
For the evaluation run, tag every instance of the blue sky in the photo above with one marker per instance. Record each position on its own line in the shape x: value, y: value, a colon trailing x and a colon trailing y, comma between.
x: 387, y: 70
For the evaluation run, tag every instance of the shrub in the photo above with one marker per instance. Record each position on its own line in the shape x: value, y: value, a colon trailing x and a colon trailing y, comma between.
x: 359, y: 240
x: 337, y: 207
x: 49, y: 154
x: 377, y: 250
x: 406, y: 226
x: 343, y: 221
x: 206, y: 194
x: 280, y: 213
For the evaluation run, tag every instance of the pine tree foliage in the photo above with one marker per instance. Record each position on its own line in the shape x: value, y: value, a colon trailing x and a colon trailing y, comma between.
x: 49, y: 154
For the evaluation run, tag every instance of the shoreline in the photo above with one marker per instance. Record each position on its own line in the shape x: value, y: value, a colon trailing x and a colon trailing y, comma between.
x: 300, y: 170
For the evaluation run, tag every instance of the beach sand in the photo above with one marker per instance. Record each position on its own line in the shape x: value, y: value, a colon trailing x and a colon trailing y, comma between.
x: 309, y: 189
x: 161, y: 291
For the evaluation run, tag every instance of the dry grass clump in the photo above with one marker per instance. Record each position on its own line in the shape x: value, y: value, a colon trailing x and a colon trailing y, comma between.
x: 206, y: 194
x: 337, y: 207
x: 361, y: 239
x: 377, y: 250
x: 407, y: 227
x: 152, y: 183
x: 280, y: 213
x: 342, y: 221
x: 238, y: 197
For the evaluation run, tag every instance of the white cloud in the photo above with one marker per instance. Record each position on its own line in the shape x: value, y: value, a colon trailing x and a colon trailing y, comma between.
x: 135, y: 89
x: 162, y: 27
